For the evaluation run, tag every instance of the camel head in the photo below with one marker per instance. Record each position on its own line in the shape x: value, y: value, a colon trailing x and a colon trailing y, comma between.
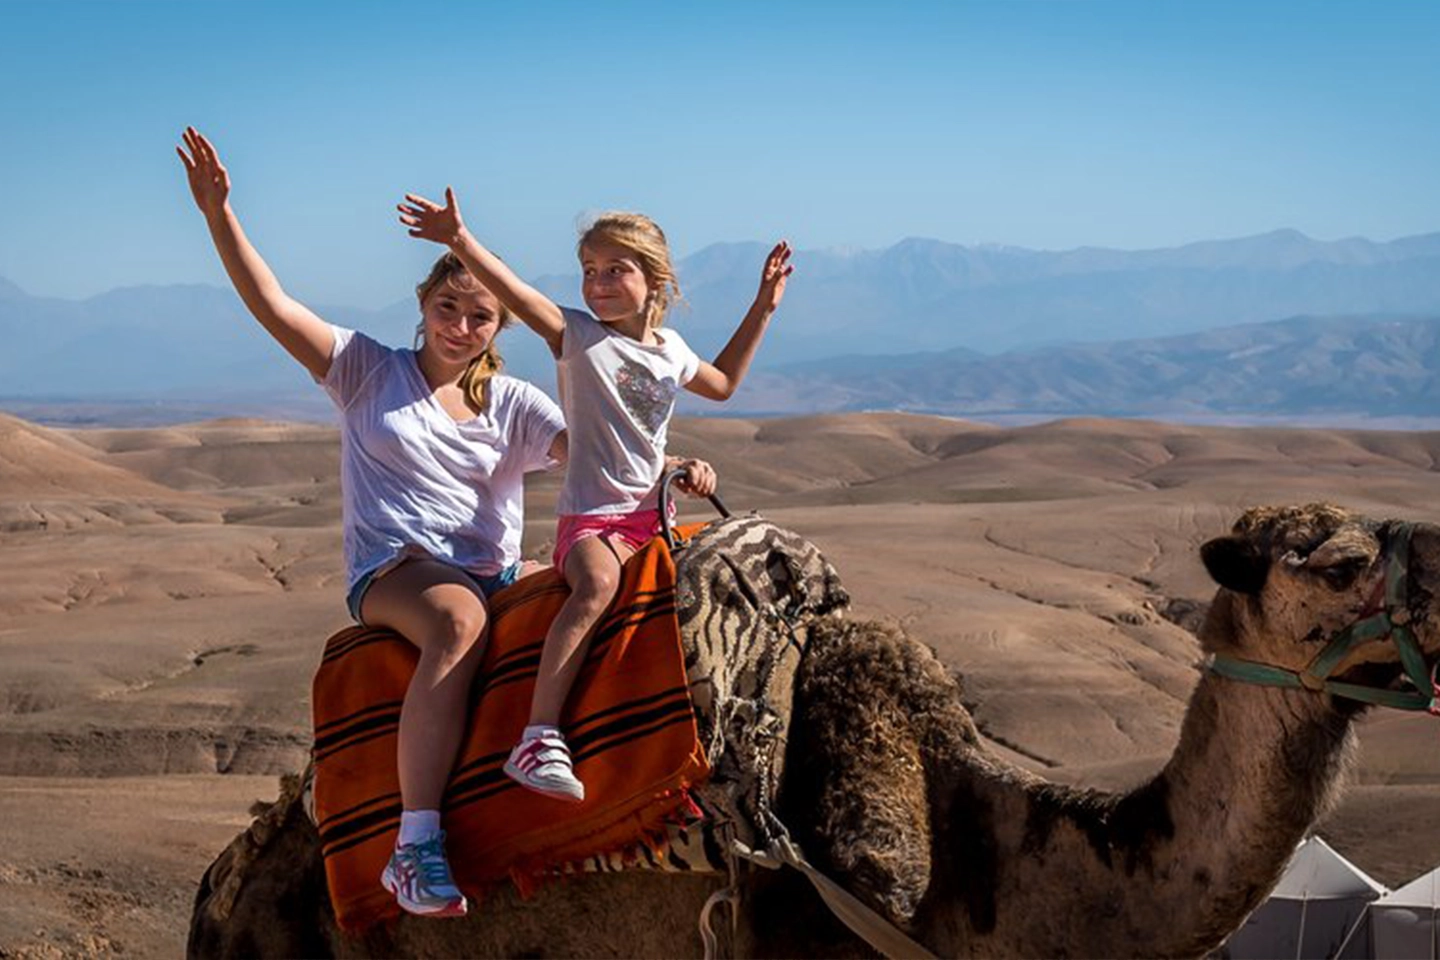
x: 1328, y: 596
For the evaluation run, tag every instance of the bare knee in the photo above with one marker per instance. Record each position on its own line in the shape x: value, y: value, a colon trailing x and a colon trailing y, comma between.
x: 456, y: 637
x: 595, y: 588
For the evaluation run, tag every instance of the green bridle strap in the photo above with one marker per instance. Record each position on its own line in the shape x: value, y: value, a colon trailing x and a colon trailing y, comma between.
x: 1315, y: 676
x: 1265, y: 675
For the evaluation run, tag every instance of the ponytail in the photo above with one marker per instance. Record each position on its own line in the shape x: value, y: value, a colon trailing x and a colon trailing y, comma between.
x: 474, y: 381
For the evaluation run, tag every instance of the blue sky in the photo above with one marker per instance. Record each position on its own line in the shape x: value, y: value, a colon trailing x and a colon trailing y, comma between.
x: 1038, y: 124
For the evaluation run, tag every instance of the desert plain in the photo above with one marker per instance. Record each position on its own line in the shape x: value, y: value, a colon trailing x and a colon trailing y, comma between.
x: 166, y: 593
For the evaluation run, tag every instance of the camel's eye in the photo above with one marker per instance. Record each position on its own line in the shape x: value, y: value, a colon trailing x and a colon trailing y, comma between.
x: 1342, y: 576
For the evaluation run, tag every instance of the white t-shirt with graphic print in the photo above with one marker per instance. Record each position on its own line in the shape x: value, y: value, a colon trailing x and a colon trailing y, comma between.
x: 618, y: 395
x: 418, y: 483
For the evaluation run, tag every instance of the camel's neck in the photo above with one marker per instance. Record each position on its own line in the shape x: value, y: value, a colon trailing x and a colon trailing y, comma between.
x: 1254, y: 769
x: 1170, y: 868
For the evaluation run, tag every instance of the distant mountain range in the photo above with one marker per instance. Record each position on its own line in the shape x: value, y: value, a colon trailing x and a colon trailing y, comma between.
x: 921, y: 325
x: 1334, y: 368
x: 924, y: 295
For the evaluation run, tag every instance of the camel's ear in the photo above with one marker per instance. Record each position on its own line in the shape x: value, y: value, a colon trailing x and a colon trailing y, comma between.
x: 1235, y: 564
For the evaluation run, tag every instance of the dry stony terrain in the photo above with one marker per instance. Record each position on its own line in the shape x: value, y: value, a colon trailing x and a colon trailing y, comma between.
x: 166, y: 592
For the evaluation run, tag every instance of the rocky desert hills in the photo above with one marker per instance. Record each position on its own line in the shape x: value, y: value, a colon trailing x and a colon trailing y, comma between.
x: 166, y: 593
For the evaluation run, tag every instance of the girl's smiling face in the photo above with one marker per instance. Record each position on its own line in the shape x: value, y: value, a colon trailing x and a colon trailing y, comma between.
x: 460, y: 324
x: 614, y: 284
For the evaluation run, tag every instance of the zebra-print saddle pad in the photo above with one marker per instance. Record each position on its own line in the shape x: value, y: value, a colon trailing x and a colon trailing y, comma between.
x: 746, y: 594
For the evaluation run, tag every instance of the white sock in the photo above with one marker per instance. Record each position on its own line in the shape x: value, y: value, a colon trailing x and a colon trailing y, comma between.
x: 417, y: 826
x: 541, y: 730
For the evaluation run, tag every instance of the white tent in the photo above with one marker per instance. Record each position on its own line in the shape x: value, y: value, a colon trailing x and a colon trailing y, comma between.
x: 1404, y: 922
x: 1316, y: 912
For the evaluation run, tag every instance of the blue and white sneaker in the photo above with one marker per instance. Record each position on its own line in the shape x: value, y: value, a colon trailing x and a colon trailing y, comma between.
x: 419, y: 876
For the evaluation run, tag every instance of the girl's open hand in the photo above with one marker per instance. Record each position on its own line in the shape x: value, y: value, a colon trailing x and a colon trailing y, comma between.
x: 430, y: 221
x: 773, y: 277
x: 209, y: 180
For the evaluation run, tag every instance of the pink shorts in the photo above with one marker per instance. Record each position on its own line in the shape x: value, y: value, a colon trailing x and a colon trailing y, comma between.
x: 632, y: 529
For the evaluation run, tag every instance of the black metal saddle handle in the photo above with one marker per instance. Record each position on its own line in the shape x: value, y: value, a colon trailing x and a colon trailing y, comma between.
x: 665, y: 527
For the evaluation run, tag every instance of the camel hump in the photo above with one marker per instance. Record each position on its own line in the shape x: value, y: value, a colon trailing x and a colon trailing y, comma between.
x: 747, y: 593
x: 251, y: 900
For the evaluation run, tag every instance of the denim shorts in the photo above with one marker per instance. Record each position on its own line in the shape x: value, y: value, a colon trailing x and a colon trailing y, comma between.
x: 488, y: 586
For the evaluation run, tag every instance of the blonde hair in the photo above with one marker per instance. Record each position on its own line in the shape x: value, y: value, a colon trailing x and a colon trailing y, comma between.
x: 482, y: 368
x: 644, y: 238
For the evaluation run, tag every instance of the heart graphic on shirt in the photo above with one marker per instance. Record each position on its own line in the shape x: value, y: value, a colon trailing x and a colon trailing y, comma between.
x: 648, y: 399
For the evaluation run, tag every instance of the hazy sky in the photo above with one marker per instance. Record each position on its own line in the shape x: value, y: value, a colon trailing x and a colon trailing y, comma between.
x: 1039, y: 124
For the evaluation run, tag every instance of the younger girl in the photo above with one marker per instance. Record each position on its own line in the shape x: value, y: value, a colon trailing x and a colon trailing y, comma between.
x: 434, y: 448
x: 619, y: 372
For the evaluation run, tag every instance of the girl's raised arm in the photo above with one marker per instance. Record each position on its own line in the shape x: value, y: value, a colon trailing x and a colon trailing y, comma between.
x: 718, y: 381
x: 304, y: 336
x: 444, y: 225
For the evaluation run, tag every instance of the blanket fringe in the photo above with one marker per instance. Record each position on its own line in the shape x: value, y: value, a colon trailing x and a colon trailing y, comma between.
x: 672, y: 808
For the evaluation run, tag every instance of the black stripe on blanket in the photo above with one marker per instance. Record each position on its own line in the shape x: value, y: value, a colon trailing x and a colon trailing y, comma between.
x: 329, y: 726
x: 364, y: 639
x: 485, y: 776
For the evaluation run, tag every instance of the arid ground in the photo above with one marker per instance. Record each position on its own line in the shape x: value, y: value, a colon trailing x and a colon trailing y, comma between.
x: 166, y: 592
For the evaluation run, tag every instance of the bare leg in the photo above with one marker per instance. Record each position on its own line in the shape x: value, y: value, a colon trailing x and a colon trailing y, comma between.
x: 437, y: 609
x: 592, y: 569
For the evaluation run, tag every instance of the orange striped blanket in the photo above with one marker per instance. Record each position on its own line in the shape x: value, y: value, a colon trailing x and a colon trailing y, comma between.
x: 629, y: 723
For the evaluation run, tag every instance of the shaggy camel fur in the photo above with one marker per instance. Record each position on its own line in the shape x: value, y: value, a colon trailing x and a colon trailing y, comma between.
x: 891, y: 793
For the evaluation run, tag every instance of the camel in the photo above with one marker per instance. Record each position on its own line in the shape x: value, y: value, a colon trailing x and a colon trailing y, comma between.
x: 890, y: 791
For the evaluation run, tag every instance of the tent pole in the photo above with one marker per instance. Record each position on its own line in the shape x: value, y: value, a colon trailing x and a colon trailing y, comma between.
x: 1300, y: 940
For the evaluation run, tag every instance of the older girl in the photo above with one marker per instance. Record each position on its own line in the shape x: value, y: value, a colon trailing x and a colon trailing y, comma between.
x: 434, y: 448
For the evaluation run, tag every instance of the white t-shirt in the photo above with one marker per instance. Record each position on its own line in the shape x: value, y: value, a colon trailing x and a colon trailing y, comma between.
x: 618, y: 394
x: 418, y: 483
